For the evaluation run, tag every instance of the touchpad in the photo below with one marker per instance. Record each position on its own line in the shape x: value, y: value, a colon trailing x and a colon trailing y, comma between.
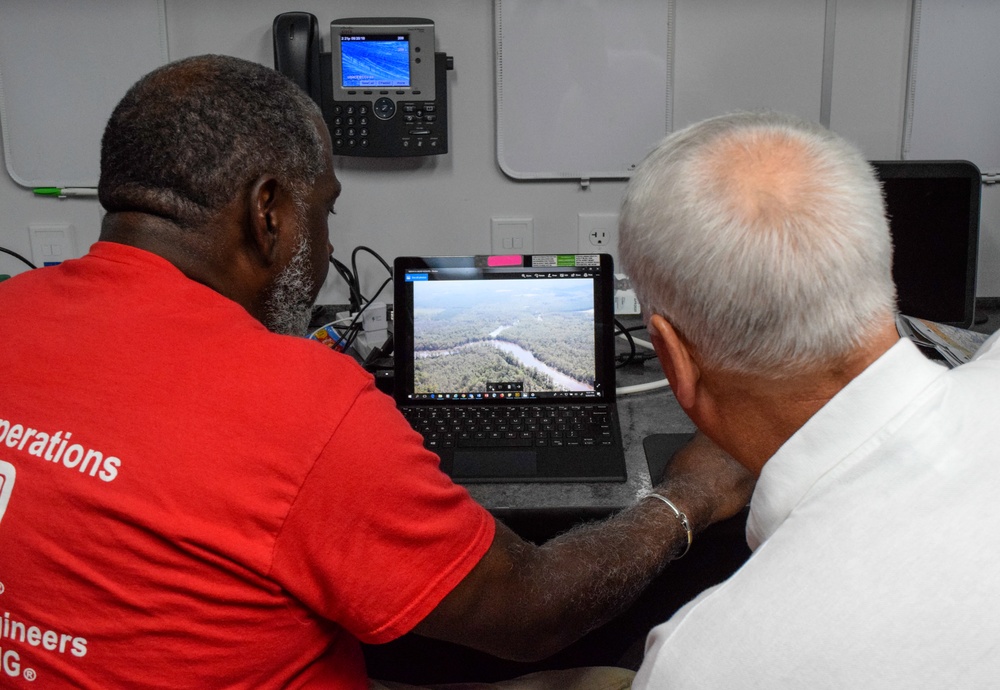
x: 494, y: 464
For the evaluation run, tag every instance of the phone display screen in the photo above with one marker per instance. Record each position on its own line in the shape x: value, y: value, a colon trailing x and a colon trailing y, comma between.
x: 375, y: 61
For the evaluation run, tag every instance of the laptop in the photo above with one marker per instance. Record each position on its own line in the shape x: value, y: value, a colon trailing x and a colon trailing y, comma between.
x: 506, y: 365
x: 933, y: 211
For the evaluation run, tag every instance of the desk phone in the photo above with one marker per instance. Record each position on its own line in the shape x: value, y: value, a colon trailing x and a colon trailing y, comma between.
x: 382, y: 88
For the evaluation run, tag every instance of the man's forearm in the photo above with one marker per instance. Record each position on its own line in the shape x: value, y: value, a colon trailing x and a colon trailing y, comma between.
x: 525, y: 602
x: 594, y: 572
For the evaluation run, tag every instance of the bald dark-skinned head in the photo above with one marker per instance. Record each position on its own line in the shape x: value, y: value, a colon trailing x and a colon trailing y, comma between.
x: 223, y: 167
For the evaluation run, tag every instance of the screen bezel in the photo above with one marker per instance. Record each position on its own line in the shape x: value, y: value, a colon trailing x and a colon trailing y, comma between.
x: 421, y: 58
x: 603, y: 278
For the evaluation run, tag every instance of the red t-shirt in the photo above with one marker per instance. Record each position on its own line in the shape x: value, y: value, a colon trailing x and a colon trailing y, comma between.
x: 188, y: 500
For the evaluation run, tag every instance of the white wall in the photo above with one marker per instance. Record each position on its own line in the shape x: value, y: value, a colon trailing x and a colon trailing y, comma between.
x: 443, y: 204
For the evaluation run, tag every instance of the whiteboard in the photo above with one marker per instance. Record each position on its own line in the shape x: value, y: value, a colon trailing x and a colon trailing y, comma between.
x: 953, y: 102
x: 585, y: 88
x: 64, y: 65
x: 582, y: 86
x: 760, y: 55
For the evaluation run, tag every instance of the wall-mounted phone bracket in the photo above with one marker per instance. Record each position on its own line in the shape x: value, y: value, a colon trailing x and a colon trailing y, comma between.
x: 383, y: 89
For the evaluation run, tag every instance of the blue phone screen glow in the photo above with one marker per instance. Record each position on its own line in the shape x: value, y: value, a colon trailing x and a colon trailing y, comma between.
x: 375, y: 61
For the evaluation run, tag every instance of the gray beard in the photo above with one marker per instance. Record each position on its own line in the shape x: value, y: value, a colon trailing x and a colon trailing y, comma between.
x: 288, y: 308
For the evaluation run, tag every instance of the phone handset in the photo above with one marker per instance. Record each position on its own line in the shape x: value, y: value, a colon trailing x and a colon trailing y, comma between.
x: 297, y: 49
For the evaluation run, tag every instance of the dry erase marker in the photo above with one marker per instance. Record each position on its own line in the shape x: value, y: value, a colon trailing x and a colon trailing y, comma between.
x: 63, y: 192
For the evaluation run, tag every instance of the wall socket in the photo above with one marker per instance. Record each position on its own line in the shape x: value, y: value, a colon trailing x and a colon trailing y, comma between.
x: 598, y: 233
x: 51, y: 244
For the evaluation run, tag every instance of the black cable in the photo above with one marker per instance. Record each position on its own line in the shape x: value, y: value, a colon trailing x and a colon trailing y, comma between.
x: 631, y: 343
x: 17, y: 256
x: 351, y: 279
x: 354, y: 266
x: 634, y: 356
x: 362, y: 248
x: 358, y: 302
x: 378, y: 353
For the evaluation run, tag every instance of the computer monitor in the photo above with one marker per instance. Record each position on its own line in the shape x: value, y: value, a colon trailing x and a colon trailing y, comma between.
x: 933, y: 211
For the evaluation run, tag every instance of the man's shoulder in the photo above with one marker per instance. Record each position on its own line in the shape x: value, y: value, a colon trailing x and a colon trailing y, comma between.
x: 303, y: 365
x: 989, y: 350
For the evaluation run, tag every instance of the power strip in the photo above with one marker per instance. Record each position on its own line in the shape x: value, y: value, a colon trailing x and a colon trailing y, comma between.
x: 626, y: 303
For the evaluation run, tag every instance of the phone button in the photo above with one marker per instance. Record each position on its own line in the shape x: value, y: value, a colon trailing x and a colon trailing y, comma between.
x: 384, y: 108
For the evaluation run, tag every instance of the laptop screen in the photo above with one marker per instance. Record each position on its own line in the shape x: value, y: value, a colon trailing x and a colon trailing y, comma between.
x: 504, y: 329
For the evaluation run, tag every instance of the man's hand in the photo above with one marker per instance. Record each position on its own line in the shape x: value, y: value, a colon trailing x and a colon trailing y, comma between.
x: 706, y: 482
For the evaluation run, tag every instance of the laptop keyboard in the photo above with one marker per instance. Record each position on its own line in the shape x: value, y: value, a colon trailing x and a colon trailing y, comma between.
x: 497, y: 426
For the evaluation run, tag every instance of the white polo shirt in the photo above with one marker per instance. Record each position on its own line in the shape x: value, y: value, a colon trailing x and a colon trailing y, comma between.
x: 875, y: 532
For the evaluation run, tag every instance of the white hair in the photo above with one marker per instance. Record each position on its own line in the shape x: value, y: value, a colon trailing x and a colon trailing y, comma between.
x: 762, y: 238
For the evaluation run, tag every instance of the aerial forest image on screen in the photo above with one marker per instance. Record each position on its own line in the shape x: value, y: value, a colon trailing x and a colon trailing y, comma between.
x: 537, y: 334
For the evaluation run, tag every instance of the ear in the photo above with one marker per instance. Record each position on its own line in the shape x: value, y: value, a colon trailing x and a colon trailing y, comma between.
x: 676, y: 359
x: 271, y: 218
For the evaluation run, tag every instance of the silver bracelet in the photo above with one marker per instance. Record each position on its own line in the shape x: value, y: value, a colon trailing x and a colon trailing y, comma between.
x: 679, y: 515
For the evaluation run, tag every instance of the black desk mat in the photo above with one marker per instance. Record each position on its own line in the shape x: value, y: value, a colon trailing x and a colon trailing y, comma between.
x: 659, y: 449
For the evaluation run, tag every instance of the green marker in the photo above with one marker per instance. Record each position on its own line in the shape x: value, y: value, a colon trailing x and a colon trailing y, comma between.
x: 63, y: 192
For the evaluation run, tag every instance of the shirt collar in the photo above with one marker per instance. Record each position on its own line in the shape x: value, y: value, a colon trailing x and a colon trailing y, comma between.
x: 854, y: 414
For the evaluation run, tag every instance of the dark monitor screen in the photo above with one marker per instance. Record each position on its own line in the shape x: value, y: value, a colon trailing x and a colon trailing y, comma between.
x: 933, y: 212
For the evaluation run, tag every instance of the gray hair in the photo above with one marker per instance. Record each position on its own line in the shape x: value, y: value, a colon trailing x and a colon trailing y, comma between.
x: 190, y: 136
x: 761, y: 278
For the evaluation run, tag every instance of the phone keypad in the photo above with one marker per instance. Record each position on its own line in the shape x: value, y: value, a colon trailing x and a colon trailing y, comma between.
x: 412, y: 126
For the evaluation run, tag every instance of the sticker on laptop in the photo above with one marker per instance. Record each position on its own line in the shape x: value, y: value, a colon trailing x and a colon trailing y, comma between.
x: 557, y: 260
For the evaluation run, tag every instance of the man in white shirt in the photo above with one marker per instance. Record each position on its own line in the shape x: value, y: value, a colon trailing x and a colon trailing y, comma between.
x: 758, y: 247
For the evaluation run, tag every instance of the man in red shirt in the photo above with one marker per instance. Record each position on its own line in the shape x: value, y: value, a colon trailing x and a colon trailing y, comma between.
x: 192, y: 498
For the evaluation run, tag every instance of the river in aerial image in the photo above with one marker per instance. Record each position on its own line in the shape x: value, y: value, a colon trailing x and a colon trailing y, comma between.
x: 561, y: 380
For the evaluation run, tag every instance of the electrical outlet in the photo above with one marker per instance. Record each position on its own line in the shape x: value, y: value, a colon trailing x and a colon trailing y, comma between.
x: 598, y: 233
x: 51, y: 244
